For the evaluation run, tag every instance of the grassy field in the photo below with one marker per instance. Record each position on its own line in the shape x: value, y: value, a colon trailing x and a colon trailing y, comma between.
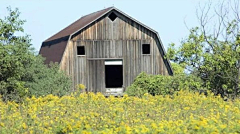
x: 185, y: 112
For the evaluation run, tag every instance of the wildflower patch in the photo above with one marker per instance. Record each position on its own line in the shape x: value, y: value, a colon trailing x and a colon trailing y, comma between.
x: 184, y: 112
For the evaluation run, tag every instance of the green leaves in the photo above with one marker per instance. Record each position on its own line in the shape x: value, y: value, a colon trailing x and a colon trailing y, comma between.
x: 22, y: 73
x: 163, y: 85
x: 213, y: 55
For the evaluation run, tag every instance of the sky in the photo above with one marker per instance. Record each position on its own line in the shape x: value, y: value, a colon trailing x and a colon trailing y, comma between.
x: 44, y: 18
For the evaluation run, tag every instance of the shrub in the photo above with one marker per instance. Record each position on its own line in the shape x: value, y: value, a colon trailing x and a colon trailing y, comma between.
x: 162, y: 85
x: 42, y: 80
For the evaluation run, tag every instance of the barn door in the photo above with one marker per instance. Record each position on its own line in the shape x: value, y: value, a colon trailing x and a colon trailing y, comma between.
x: 114, y: 76
x: 96, y: 76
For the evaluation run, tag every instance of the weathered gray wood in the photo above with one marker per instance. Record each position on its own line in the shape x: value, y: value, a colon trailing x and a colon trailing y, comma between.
x: 106, y: 39
x: 103, y: 58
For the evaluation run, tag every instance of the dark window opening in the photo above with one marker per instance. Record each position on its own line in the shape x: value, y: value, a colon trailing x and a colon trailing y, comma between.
x: 146, y: 49
x: 80, y: 50
x: 113, y: 76
x: 112, y: 16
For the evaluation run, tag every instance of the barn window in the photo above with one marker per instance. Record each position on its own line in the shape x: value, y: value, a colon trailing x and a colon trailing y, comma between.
x: 145, y: 48
x: 80, y: 50
x: 112, y: 16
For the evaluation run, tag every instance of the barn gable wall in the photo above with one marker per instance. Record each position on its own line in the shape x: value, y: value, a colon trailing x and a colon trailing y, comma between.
x: 107, y: 39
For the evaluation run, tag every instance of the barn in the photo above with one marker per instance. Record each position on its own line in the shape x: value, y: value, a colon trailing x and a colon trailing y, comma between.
x: 106, y: 50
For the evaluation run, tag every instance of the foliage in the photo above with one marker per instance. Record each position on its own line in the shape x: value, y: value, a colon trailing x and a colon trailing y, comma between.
x: 184, y: 112
x: 42, y: 80
x: 162, y: 85
x: 21, y: 72
x: 81, y: 87
x: 14, y: 55
x: 211, y: 51
x: 177, y: 69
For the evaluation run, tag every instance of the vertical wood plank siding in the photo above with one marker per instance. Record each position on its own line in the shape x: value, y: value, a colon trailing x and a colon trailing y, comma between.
x: 120, y: 39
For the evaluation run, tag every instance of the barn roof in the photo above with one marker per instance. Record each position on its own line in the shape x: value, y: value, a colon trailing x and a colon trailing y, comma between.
x: 79, y: 24
x: 53, y: 48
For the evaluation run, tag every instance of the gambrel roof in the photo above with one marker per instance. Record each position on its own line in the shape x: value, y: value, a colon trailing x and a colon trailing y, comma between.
x: 79, y: 24
x: 53, y: 48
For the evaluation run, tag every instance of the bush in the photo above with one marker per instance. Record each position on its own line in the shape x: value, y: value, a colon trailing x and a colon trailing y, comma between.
x: 162, y: 85
x: 42, y: 80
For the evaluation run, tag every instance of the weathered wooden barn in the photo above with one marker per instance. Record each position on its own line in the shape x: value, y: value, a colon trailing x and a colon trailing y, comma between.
x: 106, y: 50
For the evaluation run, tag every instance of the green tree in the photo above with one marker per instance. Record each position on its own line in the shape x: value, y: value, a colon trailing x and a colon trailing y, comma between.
x: 211, y: 50
x: 22, y: 73
x: 177, y: 69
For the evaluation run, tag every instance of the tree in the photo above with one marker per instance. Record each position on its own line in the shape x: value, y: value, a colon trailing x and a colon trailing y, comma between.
x: 211, y: 50
x: 22, y: 73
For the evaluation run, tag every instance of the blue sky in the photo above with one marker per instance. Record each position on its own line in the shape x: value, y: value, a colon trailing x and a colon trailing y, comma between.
x: 47, y: 17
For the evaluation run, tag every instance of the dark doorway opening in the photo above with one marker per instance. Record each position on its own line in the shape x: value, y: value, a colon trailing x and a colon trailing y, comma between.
x: 113, y: 76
